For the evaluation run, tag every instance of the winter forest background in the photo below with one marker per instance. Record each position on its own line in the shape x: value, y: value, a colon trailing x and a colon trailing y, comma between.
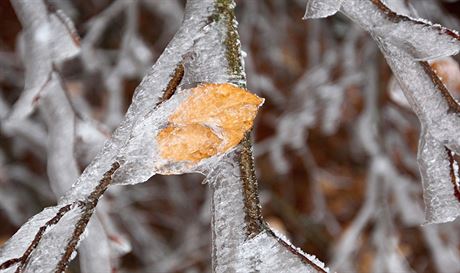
x: 356, y: 112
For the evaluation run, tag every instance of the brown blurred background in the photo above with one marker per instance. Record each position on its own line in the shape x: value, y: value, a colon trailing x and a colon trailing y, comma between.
x: 312, y: 163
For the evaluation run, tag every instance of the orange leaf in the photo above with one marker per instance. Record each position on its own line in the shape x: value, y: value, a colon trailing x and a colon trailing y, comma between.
x: 211, y: 121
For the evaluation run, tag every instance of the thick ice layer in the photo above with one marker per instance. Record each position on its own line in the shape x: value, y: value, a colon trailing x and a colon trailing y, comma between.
x: 322, y: 8
x: 403, y: 40
x: 147, y: 95
x: 51, y: 247
x: 52, y: 242
x: 419, y: 38
x: 233, y: 249
x: 267, y: 253
x: 188, y: 132
x: 438, y: 190
x: 17, y: 244
x: 228, y: 213
x: 145, y: 99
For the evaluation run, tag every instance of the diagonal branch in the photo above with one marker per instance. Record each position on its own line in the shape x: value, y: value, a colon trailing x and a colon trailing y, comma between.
x: 407, y: 44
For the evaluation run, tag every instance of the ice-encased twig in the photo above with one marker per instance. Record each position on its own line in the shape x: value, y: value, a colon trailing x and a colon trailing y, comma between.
x: 49, y: 39
x: 63, y: 171
x: 50, y: 34
x: 206, y: 26
x: 94, y: 181
x: 405, y: 42
x: 242, y: 242
x: 428, y: 97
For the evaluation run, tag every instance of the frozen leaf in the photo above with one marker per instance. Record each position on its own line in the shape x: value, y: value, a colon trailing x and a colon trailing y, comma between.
x: 192, y: 142
x: 148, y: 94
x: 211, y: 121
x: 322, y: 8
x: 185, y: 132
x: 97, y: 176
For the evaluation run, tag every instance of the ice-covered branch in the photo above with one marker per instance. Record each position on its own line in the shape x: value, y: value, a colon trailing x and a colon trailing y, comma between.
x: 49, y: 37
x: 406, y: 44
x: 63, y: 170
x: 83, y: 196
x: 167, y: 115
x: 241, y: 240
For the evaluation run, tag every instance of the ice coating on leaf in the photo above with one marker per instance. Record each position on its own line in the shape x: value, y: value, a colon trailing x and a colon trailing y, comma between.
x: 183, y: 134
x: 192, y: 142
x: 212, y: 120
x: 420, y: 38
x: 438, y: 191
x: 322, y: 8
x: 147, y: 95
x: 204, y: 61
